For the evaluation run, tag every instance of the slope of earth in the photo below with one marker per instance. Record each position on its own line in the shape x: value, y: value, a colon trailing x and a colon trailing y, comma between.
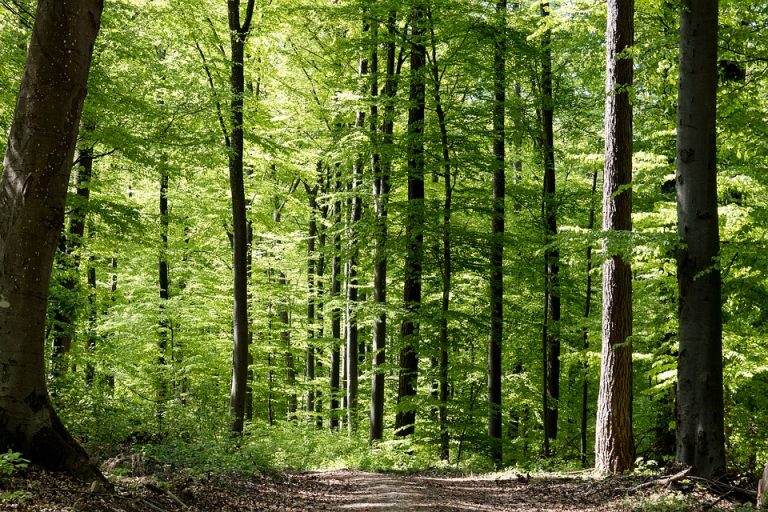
x: 353, y: 491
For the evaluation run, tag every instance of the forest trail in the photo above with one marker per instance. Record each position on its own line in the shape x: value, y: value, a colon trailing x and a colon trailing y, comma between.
x: 355, y: 491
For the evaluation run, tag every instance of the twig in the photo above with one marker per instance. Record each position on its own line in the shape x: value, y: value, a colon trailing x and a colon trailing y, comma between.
x: 152, y: 505
x: 176, y: 499
x: 661, y: 481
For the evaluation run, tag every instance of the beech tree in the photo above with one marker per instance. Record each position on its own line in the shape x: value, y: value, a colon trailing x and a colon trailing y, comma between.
x: 700, y: 430
x: 33, y: 189
x: 497, y: 234
x: 614, y: 445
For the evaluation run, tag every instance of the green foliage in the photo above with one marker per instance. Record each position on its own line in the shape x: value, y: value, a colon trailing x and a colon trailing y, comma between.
x: 12, y: 461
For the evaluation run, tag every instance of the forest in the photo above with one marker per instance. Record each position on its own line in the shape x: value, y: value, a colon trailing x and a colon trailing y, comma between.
x: 384, y: 237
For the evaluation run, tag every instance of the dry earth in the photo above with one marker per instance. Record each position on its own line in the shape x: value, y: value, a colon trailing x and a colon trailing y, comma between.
x: 352, y: 491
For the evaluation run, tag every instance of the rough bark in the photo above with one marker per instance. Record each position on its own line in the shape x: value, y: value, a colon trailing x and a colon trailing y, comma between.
x: 551, y: 253
x: 614, y: 445
x: 238, y: 33
x: 414, y: 230
x: 700, y: 437
x: 497, y: 237
x: 33, y: 190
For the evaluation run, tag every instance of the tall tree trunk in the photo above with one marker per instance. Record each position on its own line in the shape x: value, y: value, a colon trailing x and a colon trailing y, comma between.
x: 33, y: 190
x: 311, y: 293
x: 700, y: 437
x: 414, y: 231
x: 164, y: 325
x: 447, y: 266
x: 336, y: 311
x: 65, y: 317
x: 551, y: 253
x: 381, y: 165
x: 614, y: 445
x: 585, y: 332
x: 497, y: 236
x: 355, y: 211
x: 238, y: 33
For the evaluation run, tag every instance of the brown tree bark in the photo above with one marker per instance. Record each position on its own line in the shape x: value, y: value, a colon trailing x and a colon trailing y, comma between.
x: 414, y: 230
x: 614, y: 445
x: 700, y: 436
x: 33, y: 190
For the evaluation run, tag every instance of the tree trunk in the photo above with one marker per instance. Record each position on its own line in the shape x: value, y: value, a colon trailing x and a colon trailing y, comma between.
x: 414, y: 231
x: 336, y: 311
x: 551, y: 254
x: 164, y: 326
x: 585, y: 332
x: 65, y: 316
x: 700, y: 437
x: 311, y: 293
x: 381, y: 166
x: 497, y: 237
x: 447, y: 265
x: 355, y: 212
x: 238, y: 34
x: 33, y: 189
x: 614, y: 445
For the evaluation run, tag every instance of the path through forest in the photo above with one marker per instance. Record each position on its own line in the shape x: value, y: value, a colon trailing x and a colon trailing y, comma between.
x: 169, y: 490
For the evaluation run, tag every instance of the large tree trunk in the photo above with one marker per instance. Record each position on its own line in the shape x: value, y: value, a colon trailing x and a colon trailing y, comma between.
x: 700, y: 437
x: 614, y: 445
x: 551, y: 253
x: 33, y: 190
x: 414, y: 231
x: 238, y: 34
x: 497, y: 236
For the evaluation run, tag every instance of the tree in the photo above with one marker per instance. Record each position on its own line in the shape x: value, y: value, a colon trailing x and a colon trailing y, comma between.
x: 700, y: 430
x: 614, y: 446
x: 33, y: 190
x: 551, y: 333
x: 497, y: 235
x: 238, y: 33
x: 414, y: 230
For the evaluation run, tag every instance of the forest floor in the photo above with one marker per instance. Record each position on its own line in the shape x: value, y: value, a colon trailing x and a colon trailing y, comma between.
x: 346, y: 490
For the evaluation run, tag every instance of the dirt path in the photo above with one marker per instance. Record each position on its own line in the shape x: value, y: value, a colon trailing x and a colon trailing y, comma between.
x: 348, y: 491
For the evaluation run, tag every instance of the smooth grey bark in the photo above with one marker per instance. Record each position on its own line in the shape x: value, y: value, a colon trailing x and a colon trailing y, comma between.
x: 496, y: 257
x: 309, y: 367
x: 700, y: 431
x: 238, y: 33
x: 33, y: 189
x: 614, y: 444
x: 405, y: 418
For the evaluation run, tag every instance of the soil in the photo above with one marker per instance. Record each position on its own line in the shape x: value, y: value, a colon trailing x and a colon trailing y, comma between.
x: 357, y: 491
